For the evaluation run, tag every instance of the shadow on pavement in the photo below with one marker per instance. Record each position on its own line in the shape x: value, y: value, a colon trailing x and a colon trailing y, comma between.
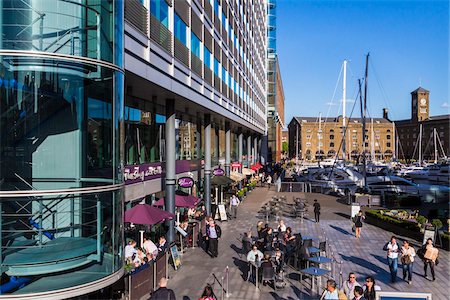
x: 242, y: 266
x: 340, y: 230
x: 343, y: 215
x: 235, y: 248
x: 381, y: 274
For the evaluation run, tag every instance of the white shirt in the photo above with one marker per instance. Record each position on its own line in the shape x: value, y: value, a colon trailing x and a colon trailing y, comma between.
x: 392, y: 250
x: 234, y: 201
x: 282, y: 228
x: 150, y: 247
x: 129, y: 251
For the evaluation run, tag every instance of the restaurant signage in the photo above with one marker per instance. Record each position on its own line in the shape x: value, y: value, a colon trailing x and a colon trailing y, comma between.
x: 219, y: 172
x: 185, y: 182
x: 139, y: 173
x: 236, y: 165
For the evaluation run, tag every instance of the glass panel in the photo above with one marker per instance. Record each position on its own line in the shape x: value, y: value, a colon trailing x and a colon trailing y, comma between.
x: 160, y: 10
x: 195, y: 45
x: 56, y: 124
x: 207, y: 57
x: 180, y: 29
x: 64, y: 27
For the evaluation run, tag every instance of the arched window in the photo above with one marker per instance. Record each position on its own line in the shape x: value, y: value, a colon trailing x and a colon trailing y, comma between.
x: 331, y: 137
x: 388, y: 136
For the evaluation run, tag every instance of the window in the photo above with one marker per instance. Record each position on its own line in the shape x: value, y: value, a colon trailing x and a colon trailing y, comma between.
x: 180, y: 29
x: 388, y: 144
x: 331, y: 137
x: 224, y: 75
x: 207, y: 57
x: 160, y: 10
x: 216, y: 67
x: 331, y: 144
x: 216, y: 7
x: 195, y: 45
x: 388, y: 137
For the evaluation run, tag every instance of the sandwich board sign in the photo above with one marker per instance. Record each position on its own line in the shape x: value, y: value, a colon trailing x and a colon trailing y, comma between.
x: 428, y: 234
x: 222, y: 212
x: 175, y: 257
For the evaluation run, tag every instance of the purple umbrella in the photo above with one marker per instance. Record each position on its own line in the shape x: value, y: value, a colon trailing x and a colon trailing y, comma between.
x: 181, y: 201
x: 147, y: 215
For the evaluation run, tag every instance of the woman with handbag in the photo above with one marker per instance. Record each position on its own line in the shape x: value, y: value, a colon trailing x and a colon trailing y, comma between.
x: 407, y: 259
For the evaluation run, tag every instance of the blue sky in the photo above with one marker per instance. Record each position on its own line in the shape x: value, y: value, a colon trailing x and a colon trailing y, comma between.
x: 408, y: 43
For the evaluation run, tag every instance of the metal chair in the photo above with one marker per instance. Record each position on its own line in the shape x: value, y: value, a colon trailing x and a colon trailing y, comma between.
x: 323, y: 248
x: 268, y: 274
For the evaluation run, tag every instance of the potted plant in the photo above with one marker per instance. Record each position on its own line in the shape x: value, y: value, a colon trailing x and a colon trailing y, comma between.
x: 421, y: 220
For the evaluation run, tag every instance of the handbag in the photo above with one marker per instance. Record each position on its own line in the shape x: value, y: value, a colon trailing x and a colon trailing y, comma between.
x: 353, y: 228
x: 406, y: 259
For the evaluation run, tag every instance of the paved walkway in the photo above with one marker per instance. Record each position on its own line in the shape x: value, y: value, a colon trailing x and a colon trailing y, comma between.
x: 364, y: 256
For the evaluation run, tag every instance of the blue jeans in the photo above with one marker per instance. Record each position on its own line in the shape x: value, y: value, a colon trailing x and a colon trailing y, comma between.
x: 407, y: 270
x: 393, y: 263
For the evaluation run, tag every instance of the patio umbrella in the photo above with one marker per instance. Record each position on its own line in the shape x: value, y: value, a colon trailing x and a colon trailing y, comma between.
x: 221, y: 180
x: 147, y: 215
x: 181, y: 201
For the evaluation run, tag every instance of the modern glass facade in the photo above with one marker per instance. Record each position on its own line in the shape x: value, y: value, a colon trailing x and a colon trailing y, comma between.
x: 61, y: 131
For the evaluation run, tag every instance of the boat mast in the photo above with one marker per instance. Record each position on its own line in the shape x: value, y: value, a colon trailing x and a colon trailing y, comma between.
x: 394, y: 133
x: 372, y: 142
x: 319, y: 134
x: 366, y: 80
x: 435, y: 146
x: 420, y: 143
x: 344, y: 96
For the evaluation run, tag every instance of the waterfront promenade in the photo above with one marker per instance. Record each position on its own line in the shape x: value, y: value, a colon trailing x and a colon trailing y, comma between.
x: 363, y: 257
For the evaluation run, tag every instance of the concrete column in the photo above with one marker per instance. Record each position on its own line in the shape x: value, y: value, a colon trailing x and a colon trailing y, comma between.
x: 249, y: 150
x: 207, y: 183
x: 227, y: 148
x: 169, y: 199
x: 240, y: 149
x: 198, y: 150
x: 255, y: 145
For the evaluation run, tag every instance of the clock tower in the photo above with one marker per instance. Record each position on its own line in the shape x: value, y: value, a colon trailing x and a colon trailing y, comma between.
x: 420, y: 104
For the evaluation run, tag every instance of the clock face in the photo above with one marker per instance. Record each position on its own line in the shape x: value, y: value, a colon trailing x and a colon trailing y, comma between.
x: 423, y: 101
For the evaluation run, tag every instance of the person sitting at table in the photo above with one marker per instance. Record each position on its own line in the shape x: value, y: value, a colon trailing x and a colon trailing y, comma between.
x: 278, y: 261
x: 130, y: 250
x: 268, y: 240
x: 139, y: 257
x: 259, y: 228
x: 266, y: 263
x: 149, y: 247
x: 191, y: 213
x: 332, y: 292
x: 281, y: 227
x: 254, y: 257
x: 162, y: 245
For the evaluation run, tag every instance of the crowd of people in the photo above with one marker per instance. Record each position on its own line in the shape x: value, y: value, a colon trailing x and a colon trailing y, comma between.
x: 138, y: 256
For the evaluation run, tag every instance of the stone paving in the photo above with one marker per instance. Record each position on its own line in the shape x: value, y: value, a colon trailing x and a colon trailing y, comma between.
x: 363, y: 257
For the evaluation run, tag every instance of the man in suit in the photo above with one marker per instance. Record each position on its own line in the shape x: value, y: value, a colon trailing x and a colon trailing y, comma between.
x: 213, y: 234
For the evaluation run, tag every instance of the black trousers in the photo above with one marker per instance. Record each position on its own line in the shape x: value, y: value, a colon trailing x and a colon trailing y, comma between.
x: 213, y: 247
x: 316, y: 216
x: 425, y: 267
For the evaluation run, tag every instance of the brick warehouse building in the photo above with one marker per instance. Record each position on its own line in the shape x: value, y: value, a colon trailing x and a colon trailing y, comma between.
x: 309, y: 141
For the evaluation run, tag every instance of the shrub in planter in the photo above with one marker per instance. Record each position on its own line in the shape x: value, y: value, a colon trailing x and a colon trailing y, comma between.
x: 421, y: 220
x: 437, y: 224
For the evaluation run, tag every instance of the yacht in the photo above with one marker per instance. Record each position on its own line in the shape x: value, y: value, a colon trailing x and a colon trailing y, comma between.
x: 433, y: 174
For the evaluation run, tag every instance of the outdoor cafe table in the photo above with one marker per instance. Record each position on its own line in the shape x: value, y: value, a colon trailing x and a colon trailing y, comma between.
x: 307, y: 237
x: 319, y: 260
x: 313, y: 272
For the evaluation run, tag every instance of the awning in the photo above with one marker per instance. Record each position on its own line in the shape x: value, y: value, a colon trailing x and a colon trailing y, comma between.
x: 147, y: 215
x: 247, y: 171
x: 256, y: 166
x: 221, y: 180
x: 237, y: 176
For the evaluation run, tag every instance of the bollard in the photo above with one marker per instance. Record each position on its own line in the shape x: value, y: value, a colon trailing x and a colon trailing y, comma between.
x: 228, y: 282
x: 221, y: 297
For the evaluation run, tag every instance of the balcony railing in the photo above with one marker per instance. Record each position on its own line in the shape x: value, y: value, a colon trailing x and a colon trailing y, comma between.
x: 160, y: 34
x: 181, y: 52
x: 196, y: 65
x: 137, y: 14
x: 208, y: 74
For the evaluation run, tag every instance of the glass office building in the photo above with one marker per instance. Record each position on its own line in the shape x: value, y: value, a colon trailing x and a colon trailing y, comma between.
x: 61, y: 114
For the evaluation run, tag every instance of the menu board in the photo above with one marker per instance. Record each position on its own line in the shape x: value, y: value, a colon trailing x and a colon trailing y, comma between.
x: 175, y: 257
x: 222, y: 212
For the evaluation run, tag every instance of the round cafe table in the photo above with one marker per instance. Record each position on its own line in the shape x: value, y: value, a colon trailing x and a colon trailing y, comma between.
x: 319, y: 260
x: 314, y: 273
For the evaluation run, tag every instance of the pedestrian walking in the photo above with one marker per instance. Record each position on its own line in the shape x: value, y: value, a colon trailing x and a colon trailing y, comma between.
x: 392, y: 257
x: 269, y: 181
x: 163, y: 293
x: 208, y: 293
x: 213, y: 234
x: 430, y: 258
x: 358, y: 224
x: 316, y: 210
x: 349, y: 285
x: 407, y: 259
x: 234, y: 205
x: 332, y: 292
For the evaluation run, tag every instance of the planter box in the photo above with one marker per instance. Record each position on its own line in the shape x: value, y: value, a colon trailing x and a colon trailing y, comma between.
x: 399, y: 230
